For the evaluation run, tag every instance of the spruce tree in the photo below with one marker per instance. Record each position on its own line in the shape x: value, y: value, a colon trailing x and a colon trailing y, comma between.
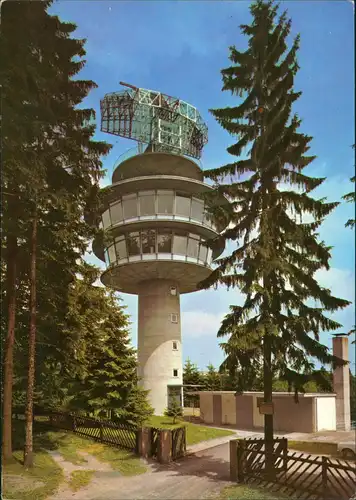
x: 191, y: 377
x: 106, y: 372
x: 278, y: 253
x: 212, y: 379
x: 51, y: 166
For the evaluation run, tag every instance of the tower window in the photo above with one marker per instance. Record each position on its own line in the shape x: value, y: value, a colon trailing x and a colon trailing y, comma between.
x: 175, y: 346
x: 173, y: 290
x: 174, y: 318
x: 175, y: 373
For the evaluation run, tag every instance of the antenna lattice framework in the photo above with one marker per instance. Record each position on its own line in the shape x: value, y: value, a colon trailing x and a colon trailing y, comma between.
x: 162, y: 122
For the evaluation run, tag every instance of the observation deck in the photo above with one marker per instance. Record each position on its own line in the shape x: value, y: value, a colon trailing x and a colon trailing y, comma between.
x: 155, y: 223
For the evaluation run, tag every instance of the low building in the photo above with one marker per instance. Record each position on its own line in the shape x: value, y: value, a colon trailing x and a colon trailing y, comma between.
x: 312, y: 413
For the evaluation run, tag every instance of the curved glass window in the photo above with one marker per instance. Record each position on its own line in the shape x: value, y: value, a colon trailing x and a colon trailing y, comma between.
x: 155, y: 244
x: 164, y: 241
x: 147, y: 203
x: 130, y: 206
x: 193, y: 246
x: 179, y: 244
x: 156, y: 204
x: 116, y: 212
x: 121, y: 249
x: 148, y: 241
x: 165, y: 202
x: 133, y: 243
x: 112, y: 254
x: 197, y: 209
x: 106, y: 219
x: 183, y: 205
x: 203, y: 252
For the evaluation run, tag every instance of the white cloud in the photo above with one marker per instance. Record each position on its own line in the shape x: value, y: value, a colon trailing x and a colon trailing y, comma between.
x: 341, y: 282
x: 201, y: 323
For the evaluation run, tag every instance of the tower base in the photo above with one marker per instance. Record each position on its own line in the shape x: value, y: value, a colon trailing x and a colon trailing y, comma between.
x: 159, y: 342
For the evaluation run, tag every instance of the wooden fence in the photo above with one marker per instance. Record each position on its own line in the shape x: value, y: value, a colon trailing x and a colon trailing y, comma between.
x: 114, y: 433
x: 105, y: 431
x: 312, y: 477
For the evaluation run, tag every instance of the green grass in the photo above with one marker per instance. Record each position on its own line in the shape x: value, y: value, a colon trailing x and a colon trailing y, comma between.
x: 314, y: 447
x: 195, y: 433
x: 26, y: 484
x: 244, y: 492
x: 120, y: 460
x: 46, y: 476
x: 80, y: 478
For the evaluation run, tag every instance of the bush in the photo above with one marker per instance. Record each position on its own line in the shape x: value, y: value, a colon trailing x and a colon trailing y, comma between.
x: 174, y: 410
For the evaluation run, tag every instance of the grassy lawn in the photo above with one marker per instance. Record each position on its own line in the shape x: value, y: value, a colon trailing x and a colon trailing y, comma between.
x: 80, y: 478
x: 46, y: 476
x: 195, y: 433
x: 33, y: 484
x: 244, y: 492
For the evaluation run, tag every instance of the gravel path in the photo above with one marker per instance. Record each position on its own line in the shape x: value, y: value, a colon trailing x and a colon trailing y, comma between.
x: 196, y: 476
x: 91, y: 463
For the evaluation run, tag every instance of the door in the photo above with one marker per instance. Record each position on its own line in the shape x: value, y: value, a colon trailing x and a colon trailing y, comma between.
x: 217, y: 409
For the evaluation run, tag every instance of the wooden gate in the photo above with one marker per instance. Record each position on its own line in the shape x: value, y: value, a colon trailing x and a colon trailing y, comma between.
x: 178, y: 443
x: 154, y: 441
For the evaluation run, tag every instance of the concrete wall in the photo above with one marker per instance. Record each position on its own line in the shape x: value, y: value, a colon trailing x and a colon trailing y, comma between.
x: 290, y: 416
x: 206, y: 407
x: 325, y: 414
x: 156, y: 333
x: 228, y: 409
x: 341, y: 383
x: 244, y: 411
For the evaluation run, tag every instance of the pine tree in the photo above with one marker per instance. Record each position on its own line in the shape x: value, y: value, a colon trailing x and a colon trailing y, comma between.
x: 275, y: 264
x: 107, y: 365
x: 174, y: 410
x: 45, y: 133
x: 212, y: 379
x: 191, y: 377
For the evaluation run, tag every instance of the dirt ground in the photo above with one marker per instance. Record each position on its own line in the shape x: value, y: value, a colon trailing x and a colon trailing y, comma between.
x: 197, y: 476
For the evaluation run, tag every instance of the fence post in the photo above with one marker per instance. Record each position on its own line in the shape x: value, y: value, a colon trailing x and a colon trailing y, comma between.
x: 74, y: 423
x: 101, y: 432
x: 234, y: 443
x: 143, y: 442
x: 285, y: 453
x: 164, y: 452
x: 324, y: 476
x: 240, y: 460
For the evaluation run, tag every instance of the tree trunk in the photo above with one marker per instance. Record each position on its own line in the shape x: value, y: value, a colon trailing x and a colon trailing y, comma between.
x: 11, y: 256
x: 28, y: 450
x: 267, y: 392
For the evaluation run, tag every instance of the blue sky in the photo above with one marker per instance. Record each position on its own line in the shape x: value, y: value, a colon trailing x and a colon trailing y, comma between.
x: 179, y: 48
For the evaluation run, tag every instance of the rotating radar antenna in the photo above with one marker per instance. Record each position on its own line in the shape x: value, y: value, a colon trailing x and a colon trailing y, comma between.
x: 164, y: 123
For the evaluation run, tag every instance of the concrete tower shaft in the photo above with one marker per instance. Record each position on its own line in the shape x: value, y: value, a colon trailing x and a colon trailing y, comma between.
x: 159, y: 340
x: 155, y: 228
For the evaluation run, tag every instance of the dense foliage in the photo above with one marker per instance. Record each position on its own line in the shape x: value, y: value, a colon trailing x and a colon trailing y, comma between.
x: 51, y: 313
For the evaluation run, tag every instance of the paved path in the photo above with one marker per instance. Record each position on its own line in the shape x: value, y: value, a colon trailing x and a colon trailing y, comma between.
x: 196, y: 476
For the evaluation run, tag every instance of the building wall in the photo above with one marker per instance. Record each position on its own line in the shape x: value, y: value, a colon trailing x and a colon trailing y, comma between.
x: 206, y: 407
x: 341, y: 384
x: 325, y: 414
x: 228, y: 409
x: 244, y: 411
x: 290, y: 416
x: 157, y: 358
